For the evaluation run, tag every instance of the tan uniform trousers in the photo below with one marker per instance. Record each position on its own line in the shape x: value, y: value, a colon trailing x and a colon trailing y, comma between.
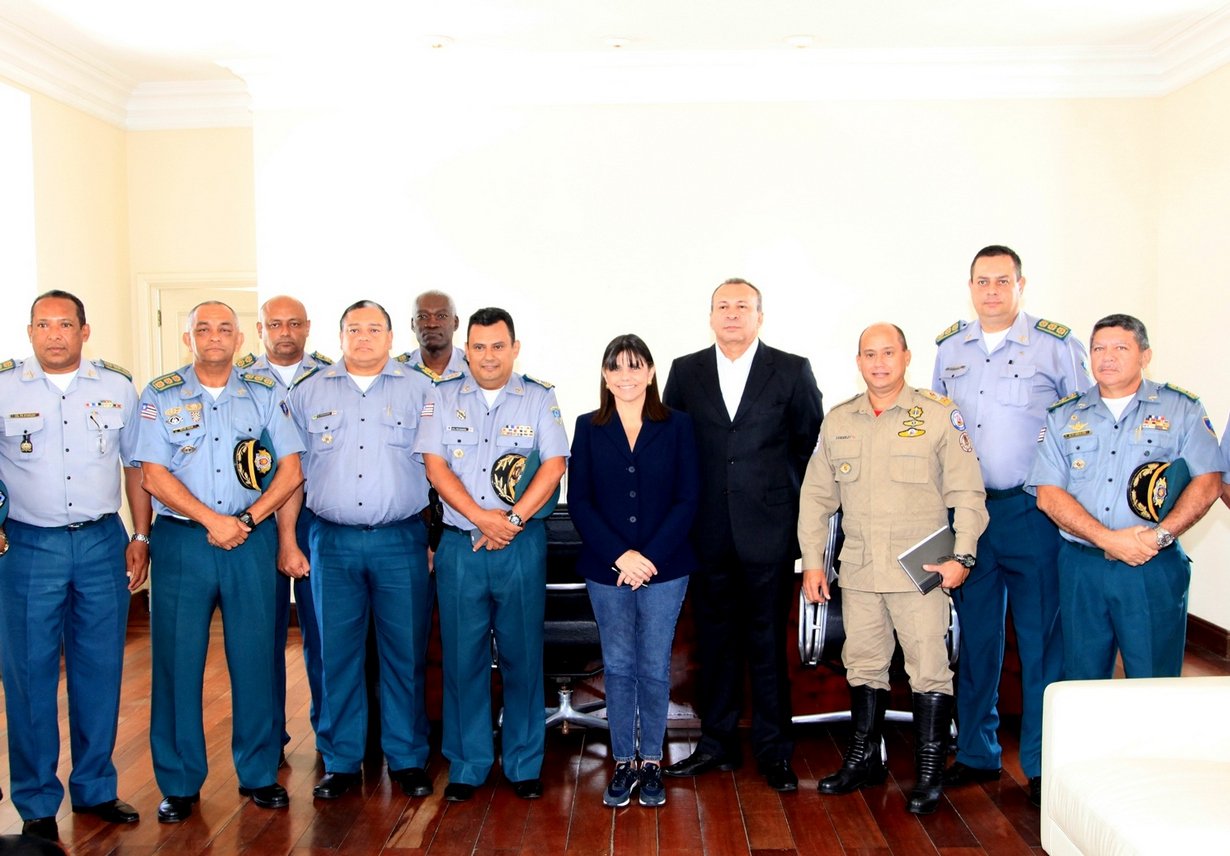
x: 921, y: 622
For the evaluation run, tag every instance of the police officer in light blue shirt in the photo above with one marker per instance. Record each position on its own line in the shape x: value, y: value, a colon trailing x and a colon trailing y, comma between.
x: 1123, y: 584
x: 68, y: 567
x: 213, y: 545
x: 284, y: 328
x: 434, y: 322
x: 477, y: 434
x: 368, y: 547
x: 1003, y: 370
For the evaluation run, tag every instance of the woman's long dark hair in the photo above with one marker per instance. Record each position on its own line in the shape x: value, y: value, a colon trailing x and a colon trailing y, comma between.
x: 637, y: 353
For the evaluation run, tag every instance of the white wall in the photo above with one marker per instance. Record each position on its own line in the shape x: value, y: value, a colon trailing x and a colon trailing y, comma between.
x: 588, y: 221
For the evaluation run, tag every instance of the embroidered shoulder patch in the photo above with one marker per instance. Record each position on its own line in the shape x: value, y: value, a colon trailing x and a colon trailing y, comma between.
x: 120, y: 370
x: 258, y: 379
x: 305, y: 376
x: 403, y: 358
x: 1181, y: 391
x: 167, y: 381
x: 541, y: 383
x: 321, y: 358
x: 1059, y: 331
x: 8, y: 365
x: 245, y: 361
x: 950, y: 332
x: 1065, y: 400
x: 935, y: 396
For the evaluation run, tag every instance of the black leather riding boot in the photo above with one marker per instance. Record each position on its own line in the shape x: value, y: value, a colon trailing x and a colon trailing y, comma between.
x: 863, y: 763
x: 932, y: 718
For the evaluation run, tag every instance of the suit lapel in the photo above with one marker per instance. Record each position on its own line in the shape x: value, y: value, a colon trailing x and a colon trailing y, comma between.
x: 757, y: 379
x: 711, y: 387
x: 613, y: 431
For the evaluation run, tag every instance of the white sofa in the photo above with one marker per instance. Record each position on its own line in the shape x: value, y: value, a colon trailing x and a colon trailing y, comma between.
x: 1136, y: 766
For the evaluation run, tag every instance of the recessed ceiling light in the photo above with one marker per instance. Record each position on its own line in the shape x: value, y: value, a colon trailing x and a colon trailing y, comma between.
x: 800, y: 41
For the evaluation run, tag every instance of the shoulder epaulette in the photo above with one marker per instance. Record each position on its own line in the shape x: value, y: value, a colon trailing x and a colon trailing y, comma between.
x: 120, y: 370
x: 321, y: 358
x: 245, y: 361
x: 956, y: 328
x: 446, y: 378
x: 1065, y: 400
x: 259, y: 379
x: 934, y: 396
x: 849, y: 400
x: 1059, y: 331
x: 541, y: 383
x: 8, y: 365
x: 403, y: 358
x: 307, y: 374
x: 1181, y: 391
x: 167, y: 381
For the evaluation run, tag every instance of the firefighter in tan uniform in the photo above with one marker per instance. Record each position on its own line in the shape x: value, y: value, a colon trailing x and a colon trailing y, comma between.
x: 895, y: 459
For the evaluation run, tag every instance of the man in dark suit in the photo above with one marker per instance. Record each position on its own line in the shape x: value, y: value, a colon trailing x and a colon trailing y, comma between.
x: 756, y: 412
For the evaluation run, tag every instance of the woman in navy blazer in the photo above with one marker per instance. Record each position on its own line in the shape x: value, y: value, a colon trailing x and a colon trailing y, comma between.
x: 633, y: 489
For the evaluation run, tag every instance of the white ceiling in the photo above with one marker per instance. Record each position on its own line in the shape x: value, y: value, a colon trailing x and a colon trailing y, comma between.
x: 150, y: 63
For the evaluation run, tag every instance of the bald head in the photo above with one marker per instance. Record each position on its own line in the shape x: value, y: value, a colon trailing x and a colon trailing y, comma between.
x: 212, y: 308
x: 284, y: 328
x: 883, y: 327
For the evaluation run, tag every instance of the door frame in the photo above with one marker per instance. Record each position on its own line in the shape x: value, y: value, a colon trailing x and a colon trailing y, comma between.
x: 147, y: 303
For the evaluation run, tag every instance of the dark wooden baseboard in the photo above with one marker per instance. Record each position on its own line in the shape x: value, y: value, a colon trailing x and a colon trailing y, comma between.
x: 1207, y: 636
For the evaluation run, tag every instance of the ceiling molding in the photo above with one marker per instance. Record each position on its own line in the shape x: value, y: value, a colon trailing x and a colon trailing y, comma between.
x: 627, y: 76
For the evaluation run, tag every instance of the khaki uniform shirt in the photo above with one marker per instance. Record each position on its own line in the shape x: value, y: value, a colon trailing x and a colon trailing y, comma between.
x: 894, y: 476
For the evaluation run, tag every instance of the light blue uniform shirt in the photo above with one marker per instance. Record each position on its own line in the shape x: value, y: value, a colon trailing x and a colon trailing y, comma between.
x: 1092, y: 457
x: 183, y: 429
x: 60, y: 453
x: 260, y: 365
x: 457, y: 364
x: 360, y: 465
x: 1003, y: 395
x: 1225, y: 454
x: 459, y: 427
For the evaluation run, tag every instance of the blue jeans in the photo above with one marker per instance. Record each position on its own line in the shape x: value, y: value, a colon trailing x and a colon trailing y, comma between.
x: 637, y: 629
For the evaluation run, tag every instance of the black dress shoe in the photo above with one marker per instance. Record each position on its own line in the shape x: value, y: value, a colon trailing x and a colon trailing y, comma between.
x: 780, y: 776
x: 334, y: 785
x: 962, y: 774
x: 458, y: 792
x: 413, y: 781
x: 528, y: 789
x: 176, y: 809
x: 1035, y: 792
x: 113, y: 811
x: 700, y: 762
x: 270, y: 796
x: 42, y: 827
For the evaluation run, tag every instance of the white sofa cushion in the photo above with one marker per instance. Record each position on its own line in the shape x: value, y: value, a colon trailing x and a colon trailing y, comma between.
x: 1142, y: 805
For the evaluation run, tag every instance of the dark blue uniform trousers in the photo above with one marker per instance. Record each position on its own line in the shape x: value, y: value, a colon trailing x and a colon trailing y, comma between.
x: 1109, y: 607
x: 309, y: 629
x: 61, y: 586
x: 504, y: 590
x: 359, y: 573
x: 189, y: 578
x: 1017, y: 567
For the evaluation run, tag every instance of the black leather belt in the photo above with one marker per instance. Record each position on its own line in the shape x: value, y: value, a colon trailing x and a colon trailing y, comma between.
x: 1007, y: 493
x: 178, y: 521
x: 85, y: 524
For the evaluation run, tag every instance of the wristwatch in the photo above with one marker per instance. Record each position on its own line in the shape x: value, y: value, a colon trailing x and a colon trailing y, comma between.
x: 515, y: 519
x: 963, y: 558
x: 1164, y: 538
x: 137, y: 536
x: 245, y: 517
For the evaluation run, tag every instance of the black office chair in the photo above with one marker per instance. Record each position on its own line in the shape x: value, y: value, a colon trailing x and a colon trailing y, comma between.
x: 572, y: 650
x: 822, y: 633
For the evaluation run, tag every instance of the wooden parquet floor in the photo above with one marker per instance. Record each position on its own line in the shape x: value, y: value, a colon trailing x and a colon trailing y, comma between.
x: 715, y: 814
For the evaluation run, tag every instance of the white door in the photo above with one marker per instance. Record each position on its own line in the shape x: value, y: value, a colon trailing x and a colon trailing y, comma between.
x: 174, y: 306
